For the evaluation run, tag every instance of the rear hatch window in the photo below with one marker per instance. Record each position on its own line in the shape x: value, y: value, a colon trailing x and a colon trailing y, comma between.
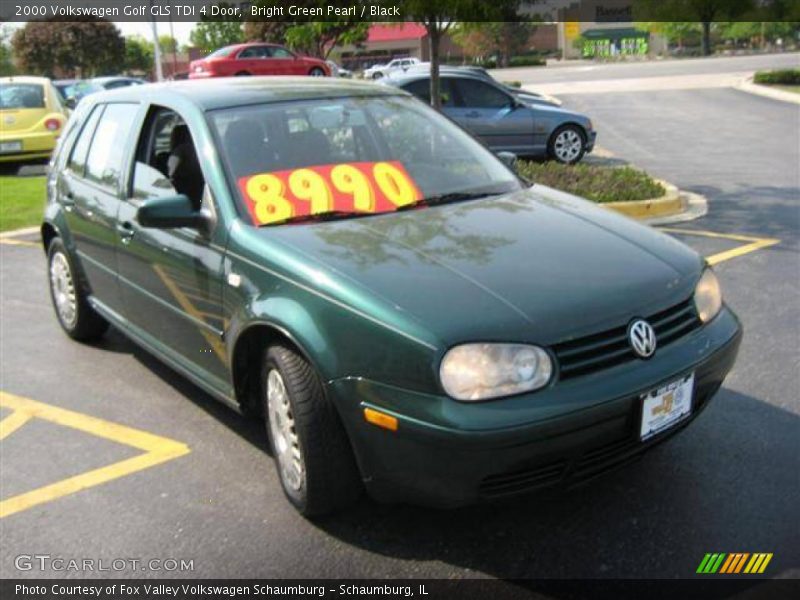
x: 15, y: 96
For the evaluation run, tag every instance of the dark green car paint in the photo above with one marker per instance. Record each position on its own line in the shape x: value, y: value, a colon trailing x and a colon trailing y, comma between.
x: 374, y: 304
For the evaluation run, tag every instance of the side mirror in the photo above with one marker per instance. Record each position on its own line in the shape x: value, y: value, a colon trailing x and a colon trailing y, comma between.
x: 71, y: 102
x: 509, y: 159
x: 169, y: 212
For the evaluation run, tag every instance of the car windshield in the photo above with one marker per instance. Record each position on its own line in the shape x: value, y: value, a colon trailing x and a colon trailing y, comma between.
x: 21, y: 95
x: 79, y: 89
x: 221, y: 52
x: 351, y: 157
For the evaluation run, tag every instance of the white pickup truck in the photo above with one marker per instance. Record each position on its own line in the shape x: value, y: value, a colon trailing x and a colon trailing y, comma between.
x: 398, y: 64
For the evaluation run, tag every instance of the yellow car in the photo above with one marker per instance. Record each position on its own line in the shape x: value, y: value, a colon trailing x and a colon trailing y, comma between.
x: 31, y: 118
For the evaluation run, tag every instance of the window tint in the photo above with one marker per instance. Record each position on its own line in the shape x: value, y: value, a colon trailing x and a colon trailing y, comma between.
x: 281, y: 53
x: 21, y: 95
x: 77, y: 159
x: 104, y: 163
x: 480, y: 95
x: 421, y: 88
x: 255, y: 52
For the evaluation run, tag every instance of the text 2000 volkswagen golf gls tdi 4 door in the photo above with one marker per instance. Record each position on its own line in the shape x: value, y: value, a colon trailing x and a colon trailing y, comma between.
x: 406, y: 313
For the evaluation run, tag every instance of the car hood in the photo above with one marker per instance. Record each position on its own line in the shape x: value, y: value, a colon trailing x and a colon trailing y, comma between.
x: 536, y: 265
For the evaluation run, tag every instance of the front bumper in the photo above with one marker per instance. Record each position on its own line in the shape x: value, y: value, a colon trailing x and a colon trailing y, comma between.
x: 34, y: 145
x: 439, y: 457
x: 591, y: 138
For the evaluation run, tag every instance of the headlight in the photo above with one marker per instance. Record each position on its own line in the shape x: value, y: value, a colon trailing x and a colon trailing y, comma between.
x: 482, y: 371
x: 707, y: 296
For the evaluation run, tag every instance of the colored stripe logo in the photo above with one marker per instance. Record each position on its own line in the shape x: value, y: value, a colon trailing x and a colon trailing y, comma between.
x: 737, y: 562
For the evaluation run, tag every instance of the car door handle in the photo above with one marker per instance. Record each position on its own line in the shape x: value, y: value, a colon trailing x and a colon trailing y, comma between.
x: 126, y: 231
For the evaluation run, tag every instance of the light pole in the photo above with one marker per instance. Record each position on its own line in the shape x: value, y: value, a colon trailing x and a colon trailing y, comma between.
x: 156, y: 49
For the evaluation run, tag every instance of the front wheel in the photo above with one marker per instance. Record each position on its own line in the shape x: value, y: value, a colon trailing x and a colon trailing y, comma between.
x: 567, y: 144
x: 316, y: 72
x: 377, y: 75
x: 76, y: 316
x: 312, y: 453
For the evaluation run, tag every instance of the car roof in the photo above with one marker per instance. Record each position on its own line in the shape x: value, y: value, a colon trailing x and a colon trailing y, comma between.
x: 115, y: 78
x: 225, y: 92
x: 25, y: 79
x: 423, y: 74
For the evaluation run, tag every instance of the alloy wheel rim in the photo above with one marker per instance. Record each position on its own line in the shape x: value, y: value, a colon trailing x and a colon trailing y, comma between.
x: 284, y: 434
x: 63, y: 289
x: 568, y: 145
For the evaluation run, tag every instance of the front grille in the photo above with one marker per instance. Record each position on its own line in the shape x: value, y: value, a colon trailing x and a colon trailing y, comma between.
x: 611, y: 348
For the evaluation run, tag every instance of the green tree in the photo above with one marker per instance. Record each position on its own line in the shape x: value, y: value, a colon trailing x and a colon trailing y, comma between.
x: 212, y: 35
x: 319, y: 38
x: 704, y: 11
x: 84, y: 48
x: 677, y: 33
x: 138, y: 54
x: 167, y: 44
x: 505, y: 38
x: 6, y: 63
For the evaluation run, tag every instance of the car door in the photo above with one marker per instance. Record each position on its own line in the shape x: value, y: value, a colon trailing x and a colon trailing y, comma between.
x: 89, y: 189
x: 283, y: 62
x: 492, y: 115
x: 170, y: 279
x: 251, y: 60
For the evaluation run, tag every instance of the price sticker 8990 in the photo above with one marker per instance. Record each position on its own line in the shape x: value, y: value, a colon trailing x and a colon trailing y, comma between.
x: 358, y: 187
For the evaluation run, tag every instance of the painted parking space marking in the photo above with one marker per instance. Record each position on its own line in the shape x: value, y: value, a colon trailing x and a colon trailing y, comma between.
x: 753, y: 243
x: 15, y: 242
x: 156, y: 449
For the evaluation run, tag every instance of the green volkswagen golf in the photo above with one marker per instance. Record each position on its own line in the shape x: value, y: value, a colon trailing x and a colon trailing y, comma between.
x: 405, y: 314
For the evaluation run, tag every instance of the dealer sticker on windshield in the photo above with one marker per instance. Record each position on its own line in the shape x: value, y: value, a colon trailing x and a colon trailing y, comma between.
x: 664, y: 407
x: 357, y: 187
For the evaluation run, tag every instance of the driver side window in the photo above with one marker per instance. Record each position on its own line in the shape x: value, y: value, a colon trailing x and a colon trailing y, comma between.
x: 166, y: 159
x: 477, y: 94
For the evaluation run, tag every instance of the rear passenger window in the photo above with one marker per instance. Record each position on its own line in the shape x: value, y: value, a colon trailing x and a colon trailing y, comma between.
x: 104, y: 163
x: 77, y: 159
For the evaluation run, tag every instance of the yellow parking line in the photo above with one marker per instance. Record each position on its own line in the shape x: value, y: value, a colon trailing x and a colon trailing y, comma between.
x: 754, y: 243
x: 156, y: 449
x: 13, y: 242
x: 13, y: 422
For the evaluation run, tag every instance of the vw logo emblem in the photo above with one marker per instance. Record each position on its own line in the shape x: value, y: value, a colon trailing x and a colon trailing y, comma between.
x: 642, y: 338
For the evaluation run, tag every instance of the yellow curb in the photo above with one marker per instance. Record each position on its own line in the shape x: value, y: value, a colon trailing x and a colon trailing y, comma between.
x: 667, y: 205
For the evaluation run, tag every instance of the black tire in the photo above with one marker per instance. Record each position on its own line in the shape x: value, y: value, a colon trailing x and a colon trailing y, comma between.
x: 558, y: 155
x: 377, y: 75
x: 317, y: 72
x: 242, y: 74
x: 86, y: 324
x: 332, y: 480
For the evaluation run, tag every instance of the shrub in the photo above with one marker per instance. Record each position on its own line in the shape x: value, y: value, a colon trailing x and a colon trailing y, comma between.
x: 780, y: 77
x: 593, y: 182
x: 526, y: 61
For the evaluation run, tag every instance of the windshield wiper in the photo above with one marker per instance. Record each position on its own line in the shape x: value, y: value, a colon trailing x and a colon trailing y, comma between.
x: 328, y: 215
x: 451, y: 197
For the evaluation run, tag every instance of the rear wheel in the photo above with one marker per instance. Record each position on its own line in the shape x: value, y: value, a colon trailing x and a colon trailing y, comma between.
x: 76, y: 316
x: 311, y: 450
x: 316, y: 72
x: 567, y: 144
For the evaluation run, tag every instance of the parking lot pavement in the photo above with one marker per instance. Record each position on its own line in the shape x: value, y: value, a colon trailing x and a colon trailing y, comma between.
x: 728, y: 483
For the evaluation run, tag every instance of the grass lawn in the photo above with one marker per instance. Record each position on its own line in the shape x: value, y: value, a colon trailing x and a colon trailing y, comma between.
x: 593, y: 182
x: 21, y: 201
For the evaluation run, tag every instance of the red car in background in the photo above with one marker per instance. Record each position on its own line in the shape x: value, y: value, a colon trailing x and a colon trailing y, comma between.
x: 256, y: 59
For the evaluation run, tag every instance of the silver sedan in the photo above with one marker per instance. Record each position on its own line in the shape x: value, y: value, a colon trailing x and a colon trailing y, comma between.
x: 502, y: 121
